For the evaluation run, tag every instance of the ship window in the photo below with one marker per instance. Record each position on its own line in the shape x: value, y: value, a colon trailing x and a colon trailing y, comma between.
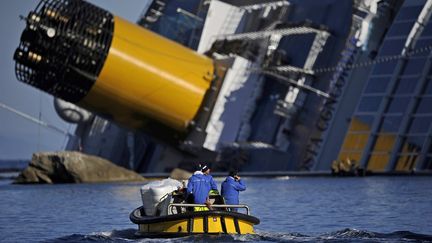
x: 427, y: 31
x: 385, y: 68
x: 428, y: 163
x: 377, y: 84
x: 398, y: 104
x: 378, y: 161
x: 384, y: 142
x: 390, y: 124
x: 406, y: 85
x: 361, y: 123
x: 406, y: 162
x: 415, y: 66
x: 420, y: 124
x: 392, y: 47
x: 421, y: 43
x: 369, y: 103
x: 400, y: 29
x: 413, y: 144
x: 355, y: 141
x: 425, y: 105
x: 428, y: 90
x: 410, y: 12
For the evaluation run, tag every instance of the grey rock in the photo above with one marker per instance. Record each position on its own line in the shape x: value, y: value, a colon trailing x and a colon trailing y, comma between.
x: 73, y: 167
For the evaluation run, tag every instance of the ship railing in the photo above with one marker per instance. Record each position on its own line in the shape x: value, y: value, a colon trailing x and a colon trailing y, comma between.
x: 171, y: 205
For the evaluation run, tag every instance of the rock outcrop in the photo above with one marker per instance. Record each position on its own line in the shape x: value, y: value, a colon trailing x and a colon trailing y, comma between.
x: 179, y: 174
x: 73, y: 167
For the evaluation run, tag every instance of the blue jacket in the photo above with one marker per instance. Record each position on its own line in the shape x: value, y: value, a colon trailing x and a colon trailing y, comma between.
x: 200, y: 185
x: 230, y: 190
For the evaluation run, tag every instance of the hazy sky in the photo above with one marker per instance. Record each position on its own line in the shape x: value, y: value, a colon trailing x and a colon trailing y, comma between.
x: 19, y: 138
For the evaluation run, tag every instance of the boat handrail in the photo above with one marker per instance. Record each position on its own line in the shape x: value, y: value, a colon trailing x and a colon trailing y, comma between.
x: 213, y: 205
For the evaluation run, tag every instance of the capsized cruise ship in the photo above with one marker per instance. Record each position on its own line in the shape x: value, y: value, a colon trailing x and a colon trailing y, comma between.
x: 304, y: 84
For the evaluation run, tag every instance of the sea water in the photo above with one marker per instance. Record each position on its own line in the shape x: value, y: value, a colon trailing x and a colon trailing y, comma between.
x: 291, y: 209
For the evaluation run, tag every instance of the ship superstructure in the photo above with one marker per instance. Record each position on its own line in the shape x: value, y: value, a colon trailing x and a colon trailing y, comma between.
x: 301, y: 84
x: 390, y: 129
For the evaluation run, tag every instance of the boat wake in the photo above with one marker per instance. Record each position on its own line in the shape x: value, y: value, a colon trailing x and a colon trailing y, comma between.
x: 345, y: 235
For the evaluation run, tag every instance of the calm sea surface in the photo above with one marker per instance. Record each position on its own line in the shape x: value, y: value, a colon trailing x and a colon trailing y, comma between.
x: 303, y: 209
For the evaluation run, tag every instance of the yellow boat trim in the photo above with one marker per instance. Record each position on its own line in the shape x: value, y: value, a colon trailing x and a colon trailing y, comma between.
x: 200, y: 225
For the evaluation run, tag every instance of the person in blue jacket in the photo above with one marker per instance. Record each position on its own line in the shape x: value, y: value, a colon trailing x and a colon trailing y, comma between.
x: 231, y: 187
x: 199, y: 185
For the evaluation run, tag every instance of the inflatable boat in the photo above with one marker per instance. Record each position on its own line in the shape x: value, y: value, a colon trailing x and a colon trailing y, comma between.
x: 167, y: 213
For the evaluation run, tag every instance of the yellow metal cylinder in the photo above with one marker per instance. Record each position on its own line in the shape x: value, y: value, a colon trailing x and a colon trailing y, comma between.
x: 148, y: 77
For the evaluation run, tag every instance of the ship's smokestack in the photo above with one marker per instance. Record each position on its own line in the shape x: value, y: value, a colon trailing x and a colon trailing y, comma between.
x: 63, y: 47
x: 85, y: 55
